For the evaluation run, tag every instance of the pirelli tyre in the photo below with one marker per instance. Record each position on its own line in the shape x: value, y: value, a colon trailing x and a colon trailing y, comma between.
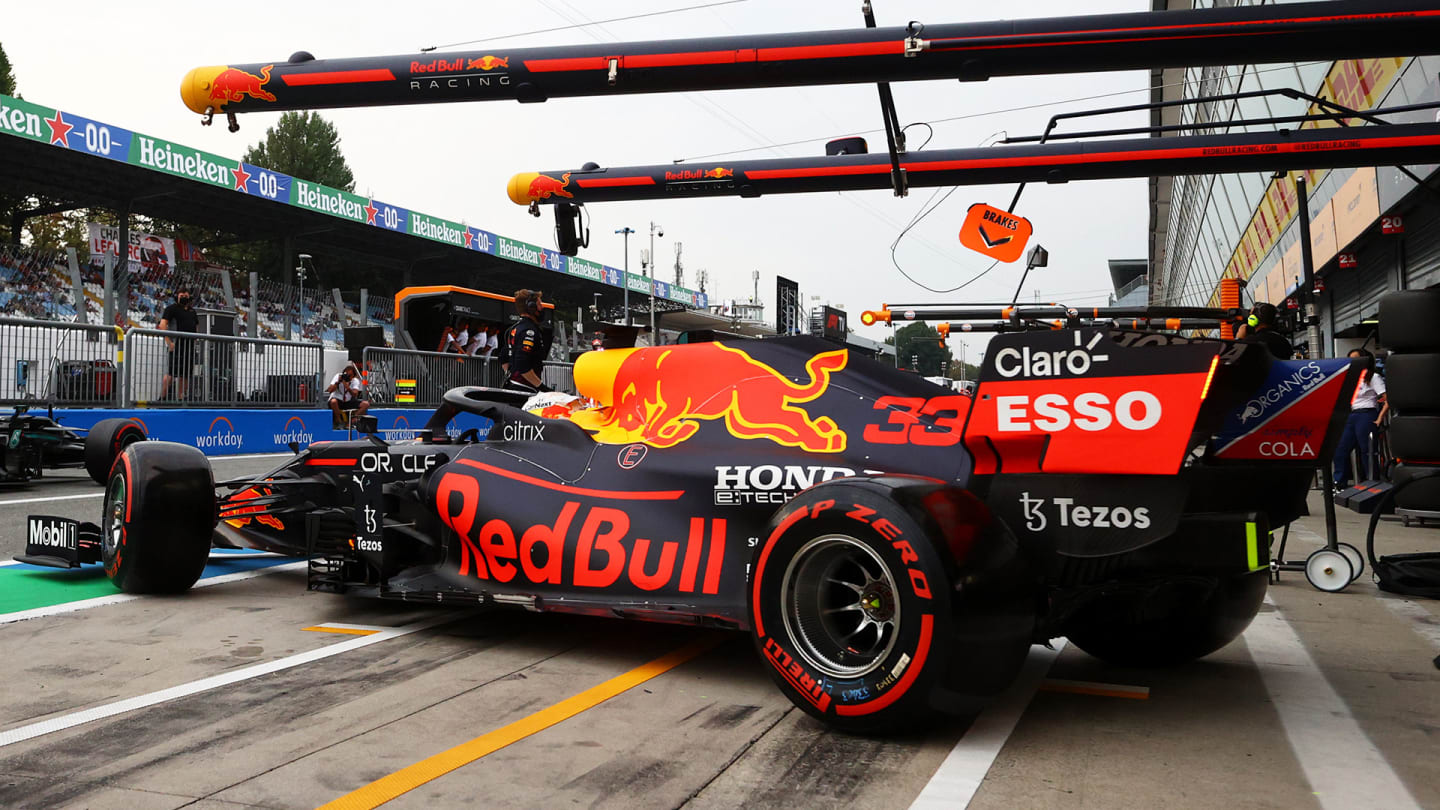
x: 1170, y: 622
x: 1415, y: 438
x: 1416, y: 487
x: 1408, y: 320
x: 158, y: 516
x: 1412, y: 382
x: 852, y: 608
x: 104, y: 443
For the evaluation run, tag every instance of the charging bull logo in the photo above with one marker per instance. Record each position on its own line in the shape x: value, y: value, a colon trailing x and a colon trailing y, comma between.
x: 659, y: 397
x: 235, y: 85
x: 720, y: 172
x: 488, y: 62
x: 238, y: 515
x: 543, y: 186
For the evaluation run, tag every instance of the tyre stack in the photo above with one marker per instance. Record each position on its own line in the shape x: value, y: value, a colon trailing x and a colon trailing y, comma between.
x: 1410, y: 329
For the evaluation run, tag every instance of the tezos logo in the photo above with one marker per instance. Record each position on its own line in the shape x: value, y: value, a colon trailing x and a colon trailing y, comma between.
x: 220, y: 434
x: 1084, y: 517
x: 769, y: 483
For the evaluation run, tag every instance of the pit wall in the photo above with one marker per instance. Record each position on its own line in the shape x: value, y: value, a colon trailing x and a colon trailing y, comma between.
x: 232, y: 432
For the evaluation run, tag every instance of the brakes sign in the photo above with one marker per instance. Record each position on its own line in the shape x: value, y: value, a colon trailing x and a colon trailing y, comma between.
x: 995, y: 232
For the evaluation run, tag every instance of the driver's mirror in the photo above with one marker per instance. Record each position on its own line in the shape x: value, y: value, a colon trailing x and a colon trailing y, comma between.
x: 367, y: 424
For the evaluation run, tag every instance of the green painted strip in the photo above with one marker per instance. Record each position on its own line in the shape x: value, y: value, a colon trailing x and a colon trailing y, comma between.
x: 1252, y: 547
x: 30, y: 588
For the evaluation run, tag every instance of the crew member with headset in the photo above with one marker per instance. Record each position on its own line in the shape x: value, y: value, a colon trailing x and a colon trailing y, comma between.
x: 1260, y: 328
x: 525, y: 345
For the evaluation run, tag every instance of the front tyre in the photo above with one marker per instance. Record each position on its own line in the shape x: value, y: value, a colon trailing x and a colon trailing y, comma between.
x: 850, y: 608
x: 105, y: 442
x: 158, y: 517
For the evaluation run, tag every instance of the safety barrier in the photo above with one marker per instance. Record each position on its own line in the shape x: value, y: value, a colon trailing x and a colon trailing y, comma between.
x: 59, y: 362
x: 411, y: 378
x: 220, y: 432
x: 179, y: 369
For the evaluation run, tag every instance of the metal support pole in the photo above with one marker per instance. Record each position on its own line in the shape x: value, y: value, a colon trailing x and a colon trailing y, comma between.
x: 253, y: 322
x: 625, y: 283
x: 107, y: 303
x: 122, y: 278
x: 287, y: 258
x: 364, y: 306
x: 77, y: 286
x: 1308, y: 299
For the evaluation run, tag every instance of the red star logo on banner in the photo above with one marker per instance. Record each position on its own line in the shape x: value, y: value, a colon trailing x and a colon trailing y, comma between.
x: 59, y: 130
x: 241, y: 177
x: 469, y: 237
x: 370, y: 210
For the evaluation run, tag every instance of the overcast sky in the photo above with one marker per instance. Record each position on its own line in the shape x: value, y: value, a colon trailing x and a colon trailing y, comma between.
x: 121, y: 63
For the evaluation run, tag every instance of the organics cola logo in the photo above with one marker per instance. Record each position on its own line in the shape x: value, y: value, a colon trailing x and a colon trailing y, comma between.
x: 1300, y: 380
x: 294, y: 431
x: 221, y: 434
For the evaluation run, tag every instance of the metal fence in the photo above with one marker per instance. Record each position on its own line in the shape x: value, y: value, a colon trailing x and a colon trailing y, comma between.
x: 183, y: 369
x: 59, y: 362
x: 391, y: 372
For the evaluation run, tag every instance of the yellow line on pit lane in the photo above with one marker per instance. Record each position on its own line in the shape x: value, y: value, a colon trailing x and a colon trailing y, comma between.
x: 344, y: 629
x: 1117, y: 690
x: 406, y: 779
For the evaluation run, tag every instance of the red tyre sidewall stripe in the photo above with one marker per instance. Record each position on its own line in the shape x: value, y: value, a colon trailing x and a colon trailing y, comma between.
x: 922, y: 651
x: 760, y: 565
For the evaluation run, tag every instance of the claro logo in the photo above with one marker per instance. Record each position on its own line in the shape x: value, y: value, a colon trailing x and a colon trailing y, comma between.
x: 220, y: 434
x: 1093, y: 411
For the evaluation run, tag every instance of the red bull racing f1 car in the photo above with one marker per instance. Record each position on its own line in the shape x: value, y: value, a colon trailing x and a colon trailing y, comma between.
x: 893, y: 547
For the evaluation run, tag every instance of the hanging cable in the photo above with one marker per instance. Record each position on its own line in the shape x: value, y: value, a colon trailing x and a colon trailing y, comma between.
x: 582, y: 25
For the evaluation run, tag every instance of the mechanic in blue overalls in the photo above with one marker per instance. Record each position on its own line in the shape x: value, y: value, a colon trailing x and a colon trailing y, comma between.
x: 1367, y: 412
x: 525, y: 346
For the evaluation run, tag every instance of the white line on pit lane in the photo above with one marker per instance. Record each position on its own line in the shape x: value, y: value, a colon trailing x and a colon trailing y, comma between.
x: 1342, y: 765
x: 1422, y: 621
x: 959, y: 776
x: 63, y: 722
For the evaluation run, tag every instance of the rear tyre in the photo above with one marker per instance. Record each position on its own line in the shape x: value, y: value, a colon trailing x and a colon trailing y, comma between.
x: 1410, y: 382
x: 1415, y: 438
x: 105, y: 442
x: 1407, y: 320
x: 850, y: 608
x: 1170, y: 625
x: 158, y: 517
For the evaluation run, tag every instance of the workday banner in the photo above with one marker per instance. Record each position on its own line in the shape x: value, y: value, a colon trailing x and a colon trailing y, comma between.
x: 232, y: 432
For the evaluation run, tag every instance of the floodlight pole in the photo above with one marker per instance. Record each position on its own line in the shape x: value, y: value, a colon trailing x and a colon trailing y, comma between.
x: 650, y: 278
x: 625, y: 283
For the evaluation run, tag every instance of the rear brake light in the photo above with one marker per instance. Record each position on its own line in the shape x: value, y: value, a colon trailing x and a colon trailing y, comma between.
x: 1214, y: 361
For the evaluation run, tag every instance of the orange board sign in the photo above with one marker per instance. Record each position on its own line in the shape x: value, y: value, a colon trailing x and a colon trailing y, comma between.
x: 995, y: 232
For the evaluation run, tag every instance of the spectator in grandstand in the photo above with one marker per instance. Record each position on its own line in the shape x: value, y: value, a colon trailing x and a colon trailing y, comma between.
x: 347, y: 393
x: 179, y: 317
x: 462, y: 340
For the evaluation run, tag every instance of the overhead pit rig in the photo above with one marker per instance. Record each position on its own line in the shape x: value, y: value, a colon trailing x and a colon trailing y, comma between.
x: 918, y: 51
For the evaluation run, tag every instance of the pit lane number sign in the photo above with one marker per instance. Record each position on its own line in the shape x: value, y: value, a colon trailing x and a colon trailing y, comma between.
x: 995, y: 232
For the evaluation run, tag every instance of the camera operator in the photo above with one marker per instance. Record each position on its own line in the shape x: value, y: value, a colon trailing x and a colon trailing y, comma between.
x: 526, y: 345
x: 347, y: 394
x: 179, y: 317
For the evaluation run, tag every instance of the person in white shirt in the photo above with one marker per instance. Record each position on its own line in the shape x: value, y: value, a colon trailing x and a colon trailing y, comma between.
x: 461, y: 341
x: 347, y: 393
x: 1367, y: 412
x: 478, y: 341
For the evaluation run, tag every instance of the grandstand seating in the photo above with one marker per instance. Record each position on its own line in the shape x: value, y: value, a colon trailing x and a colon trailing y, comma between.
x: 37, y: 285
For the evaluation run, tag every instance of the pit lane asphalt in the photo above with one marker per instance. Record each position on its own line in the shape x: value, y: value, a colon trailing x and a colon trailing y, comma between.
x: 1347, y: 715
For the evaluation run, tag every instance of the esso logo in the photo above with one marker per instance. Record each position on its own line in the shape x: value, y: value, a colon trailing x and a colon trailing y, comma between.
x: 1052, y: 413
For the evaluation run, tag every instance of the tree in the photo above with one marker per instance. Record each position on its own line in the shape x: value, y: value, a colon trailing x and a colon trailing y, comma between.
x: 920, y: 341
x: 7, y: 78
x: 306, y: 146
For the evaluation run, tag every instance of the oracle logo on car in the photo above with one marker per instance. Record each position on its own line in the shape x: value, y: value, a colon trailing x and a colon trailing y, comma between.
x: 1093, y: 411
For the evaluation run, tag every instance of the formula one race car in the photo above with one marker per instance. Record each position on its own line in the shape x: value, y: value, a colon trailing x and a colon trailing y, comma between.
x: 30, y: 443
x: 893, y: 547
